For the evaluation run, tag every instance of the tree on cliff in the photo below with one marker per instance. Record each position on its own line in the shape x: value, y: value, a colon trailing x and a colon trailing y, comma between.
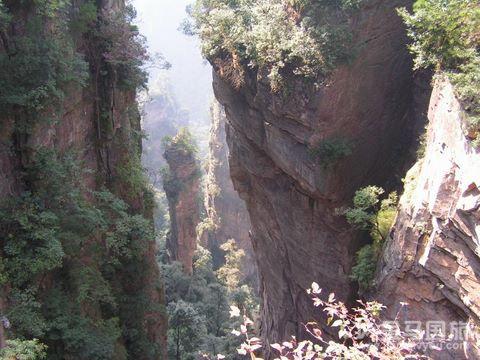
x: 370, y: 213
x: 445, y: 37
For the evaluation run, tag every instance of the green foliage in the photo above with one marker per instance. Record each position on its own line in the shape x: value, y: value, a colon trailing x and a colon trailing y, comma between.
x: 369, y: 213
x: 363, y: 271
x: 171, y: 184
x: 5, y: 17
x: 182, y: 141
x: 301, y: 38
x: 445, y: 36
x: 46, y: 232
x: 330, y: 151
x: 37, y: 66
x: 230, y: 274
x: 187, y: 328
x: 85, y: 18
x: 122, y: 48
x: 375, y: 216
x: 32, y: 245
x: 132, y: 173
x: 23, y: 350
x: 198, y: 309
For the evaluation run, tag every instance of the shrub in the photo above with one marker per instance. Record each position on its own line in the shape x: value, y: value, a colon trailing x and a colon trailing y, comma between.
x: 23, y: 350
x: 361, y: 335
x: 300, y: 38
x: 44, y: 231
x: 375, y: 216
x: 131, y: 172
x: 330, y: 151
x: 187, y: 328
x: 363, y: 271
x: 182, y: 141
x: 198, y: 307
x: 372, y: 214
x: 38, y: 67
x: 122, y: 48
x: 85, y: 18
x: 230, y: 274
x: 445, y: 36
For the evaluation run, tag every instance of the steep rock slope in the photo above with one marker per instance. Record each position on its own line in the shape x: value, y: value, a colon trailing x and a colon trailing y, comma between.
x: 182, y: 185
x: 75, y: 198
x: 291, y: 197
x: 227, y: 216
x: 432, y: 259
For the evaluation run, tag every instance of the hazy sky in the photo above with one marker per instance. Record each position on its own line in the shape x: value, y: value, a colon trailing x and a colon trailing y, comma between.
x: 190, y: 75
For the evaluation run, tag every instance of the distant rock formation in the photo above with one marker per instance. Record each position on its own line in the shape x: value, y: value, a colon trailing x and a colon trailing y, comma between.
x: 182, y: 187
x: 227, y: 217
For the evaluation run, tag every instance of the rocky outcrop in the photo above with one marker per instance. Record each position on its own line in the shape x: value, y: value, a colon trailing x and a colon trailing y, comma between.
x: 227, y: 217
x: 98, y: 123
x: 182, y: 185
x: 432, y: 260
x: 290, y: 195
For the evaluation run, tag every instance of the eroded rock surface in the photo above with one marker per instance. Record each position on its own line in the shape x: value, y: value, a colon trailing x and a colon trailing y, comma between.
x: 291, y: 197
x: 103, y: 146
x: 227, y: 216
x: 432, y: 260
x: 182, y: 189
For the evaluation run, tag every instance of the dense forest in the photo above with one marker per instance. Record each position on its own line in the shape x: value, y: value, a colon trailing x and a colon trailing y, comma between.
x: 332, y: 211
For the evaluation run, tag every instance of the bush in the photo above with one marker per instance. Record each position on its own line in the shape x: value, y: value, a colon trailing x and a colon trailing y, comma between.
x: 23, y: 350
x: 182, y: 141
x: 369, y: 213
x: 44, y: 231
x: 85, y: 18
x: 330, y: 151
x: 361, y: 335
x: 122, y: 48
x: 300, y: 38
x: 365, y: 265
x: 375, y: 216
x: 37, y: 68
x: 445, y: 36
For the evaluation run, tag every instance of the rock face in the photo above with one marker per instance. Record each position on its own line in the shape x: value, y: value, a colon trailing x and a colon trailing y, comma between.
x: 227, y: 216
x: 182, y: 186
x: 290, y: 196
x: 105, y: 149
x: 432, y: 260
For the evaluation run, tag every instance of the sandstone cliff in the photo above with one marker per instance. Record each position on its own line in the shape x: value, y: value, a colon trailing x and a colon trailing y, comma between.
x: 432, y: 259
x: 103, y: 297
x: 290, y: 195
x: 227, y: 217
x: 182, y: 185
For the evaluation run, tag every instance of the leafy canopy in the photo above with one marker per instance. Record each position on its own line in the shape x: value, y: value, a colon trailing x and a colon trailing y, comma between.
x: 300, y: 38
x: 376, y: 216
x: 445, y: 36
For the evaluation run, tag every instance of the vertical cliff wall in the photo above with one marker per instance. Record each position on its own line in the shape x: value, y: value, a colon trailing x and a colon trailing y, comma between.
x: 182, y: 187
x: 291, y: 195
x: 432, y: 260
x: 77, y: 249
x: 227, y: 217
